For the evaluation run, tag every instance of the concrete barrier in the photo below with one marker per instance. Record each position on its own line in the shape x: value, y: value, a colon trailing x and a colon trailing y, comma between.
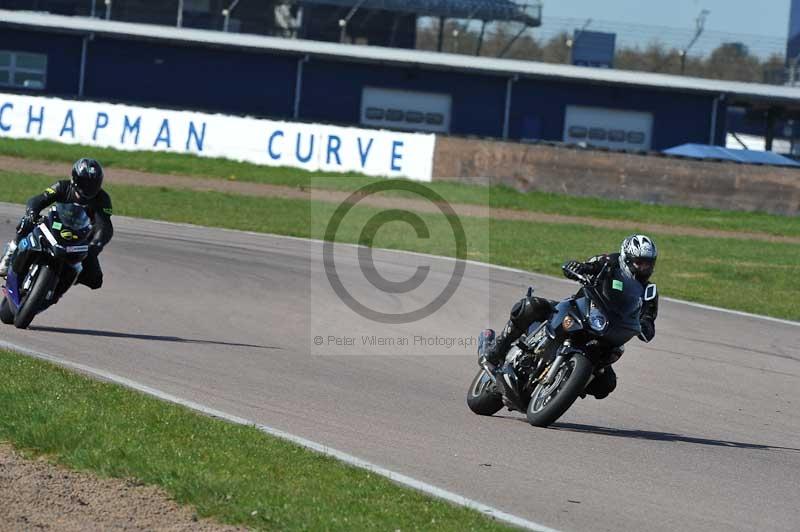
x: 616, y: 175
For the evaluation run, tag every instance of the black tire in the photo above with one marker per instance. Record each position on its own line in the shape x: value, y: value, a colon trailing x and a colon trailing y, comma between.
x: 6, y: 315
x: 34, y: 299
x: 482, y: 398
x: 566, y: 391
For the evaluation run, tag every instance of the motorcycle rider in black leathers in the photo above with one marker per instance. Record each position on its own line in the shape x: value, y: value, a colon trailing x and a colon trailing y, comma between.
x: 85, y: 189
x: 636, y: 259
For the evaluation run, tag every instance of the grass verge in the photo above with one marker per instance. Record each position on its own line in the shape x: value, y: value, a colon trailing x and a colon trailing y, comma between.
x: 499, y: 196
x: 746, y: 275
x: 233, y: 473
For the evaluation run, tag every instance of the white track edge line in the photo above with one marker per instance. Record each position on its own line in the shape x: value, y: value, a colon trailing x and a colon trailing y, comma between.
x: 349, y: 459
x: 475, y: 263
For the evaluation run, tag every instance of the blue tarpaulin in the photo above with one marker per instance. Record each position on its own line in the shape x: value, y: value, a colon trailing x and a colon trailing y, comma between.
x: 703, y: 151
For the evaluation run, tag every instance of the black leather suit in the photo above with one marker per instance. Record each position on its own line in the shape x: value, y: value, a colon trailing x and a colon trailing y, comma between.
x: 532, y: 309
x: 99, y: 211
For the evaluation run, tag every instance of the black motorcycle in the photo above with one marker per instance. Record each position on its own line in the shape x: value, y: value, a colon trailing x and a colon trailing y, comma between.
x: 550, y: 366
x: 46, y: 263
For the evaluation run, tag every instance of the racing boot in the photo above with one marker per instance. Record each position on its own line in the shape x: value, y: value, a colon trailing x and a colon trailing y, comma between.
x: 486, y: 346
x: 526, y: 311
x: 5, y: 262
x: 493, y: 348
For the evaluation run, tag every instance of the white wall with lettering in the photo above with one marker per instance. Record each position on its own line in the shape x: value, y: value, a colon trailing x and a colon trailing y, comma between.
x: 267, y: 142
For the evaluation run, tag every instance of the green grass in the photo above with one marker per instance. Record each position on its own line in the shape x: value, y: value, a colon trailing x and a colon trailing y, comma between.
x: 169, y: 163
x: 230, y: 472
x: 499, y: 196
x: 747, y: 275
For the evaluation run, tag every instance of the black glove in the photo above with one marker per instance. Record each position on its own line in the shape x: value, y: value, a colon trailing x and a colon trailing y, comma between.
x: 27, y: 223
x: 572, y: 267
x: 648, y: 331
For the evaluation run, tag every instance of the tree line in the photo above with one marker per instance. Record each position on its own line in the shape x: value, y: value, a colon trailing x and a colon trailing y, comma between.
x: 729, y: 61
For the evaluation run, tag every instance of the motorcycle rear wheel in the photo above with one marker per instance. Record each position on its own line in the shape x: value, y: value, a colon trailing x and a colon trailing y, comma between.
x: 548, y: 403
x: 482, y: 398
x: 35, y: 298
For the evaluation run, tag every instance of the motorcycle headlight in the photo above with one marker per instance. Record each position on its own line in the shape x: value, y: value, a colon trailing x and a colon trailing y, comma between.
x: 597, y: 320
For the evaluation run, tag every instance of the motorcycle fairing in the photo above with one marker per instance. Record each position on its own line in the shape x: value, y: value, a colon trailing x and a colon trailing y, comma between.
x: 12, y: 289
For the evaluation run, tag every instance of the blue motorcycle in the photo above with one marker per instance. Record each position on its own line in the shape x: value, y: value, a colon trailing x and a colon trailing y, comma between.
x: 46, y: 264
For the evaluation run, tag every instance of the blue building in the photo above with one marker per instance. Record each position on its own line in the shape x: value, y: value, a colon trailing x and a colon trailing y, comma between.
x: 793, y: 41
x: 73, y: 57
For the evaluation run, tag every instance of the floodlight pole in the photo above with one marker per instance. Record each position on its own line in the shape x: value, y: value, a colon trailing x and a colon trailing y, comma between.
x: 457, y: 31
x: 513, y: 40
x: 700, y: 23
x: 227, y: 14
x: 344, y: 21
x: 480, y: 38
x: 108, y: 9
x: 179, y: 22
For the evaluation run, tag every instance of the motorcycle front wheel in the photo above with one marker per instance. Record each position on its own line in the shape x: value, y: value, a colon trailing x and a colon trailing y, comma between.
x: 34, y: 299
x: 482, y: 397
x: 6, y: 314
x: 548, y: 403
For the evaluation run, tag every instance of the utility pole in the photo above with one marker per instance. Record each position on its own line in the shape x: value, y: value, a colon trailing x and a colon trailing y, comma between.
x: 700, y: 23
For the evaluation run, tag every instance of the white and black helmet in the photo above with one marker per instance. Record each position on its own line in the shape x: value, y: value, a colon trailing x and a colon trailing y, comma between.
x: 637, y: 256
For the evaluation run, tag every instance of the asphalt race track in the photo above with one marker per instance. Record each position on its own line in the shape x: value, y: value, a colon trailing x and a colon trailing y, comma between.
x: 702, y: 433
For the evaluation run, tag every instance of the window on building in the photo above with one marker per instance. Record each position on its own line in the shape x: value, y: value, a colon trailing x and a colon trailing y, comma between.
x: 402, y: 109
x: 597, y: 133
x: 578, y: 132
x: 616, y: 135
x: 23, y: 70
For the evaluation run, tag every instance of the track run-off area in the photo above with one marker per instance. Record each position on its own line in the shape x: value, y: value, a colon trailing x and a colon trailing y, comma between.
x: 701, y: 433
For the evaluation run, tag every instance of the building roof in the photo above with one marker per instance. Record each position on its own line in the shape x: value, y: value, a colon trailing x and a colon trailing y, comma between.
x: 738, y: 91
x: 461, y: 9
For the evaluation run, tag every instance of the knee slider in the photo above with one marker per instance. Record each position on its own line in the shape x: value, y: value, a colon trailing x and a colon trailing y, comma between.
x: 95, y: 282
x: 603, y: 384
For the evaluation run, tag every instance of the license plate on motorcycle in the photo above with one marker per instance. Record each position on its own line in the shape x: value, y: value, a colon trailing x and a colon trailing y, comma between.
x: 77, y: 249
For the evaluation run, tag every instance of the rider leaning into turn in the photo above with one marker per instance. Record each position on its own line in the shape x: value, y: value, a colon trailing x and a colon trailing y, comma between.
x: 636, y: 259
x: 84, y: 189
